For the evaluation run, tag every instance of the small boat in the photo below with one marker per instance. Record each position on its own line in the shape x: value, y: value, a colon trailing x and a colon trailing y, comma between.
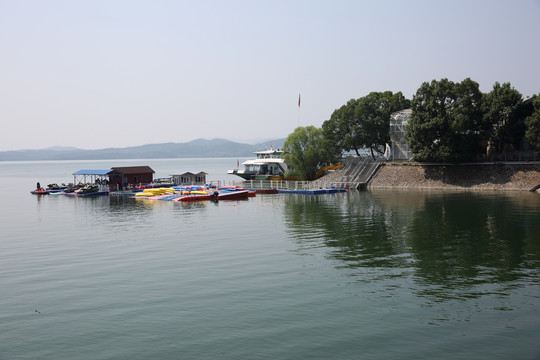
x: 56, y: 192
x: 87, y: 189
x: 40, y: 192
x: 188, y: 198
x: 233, y: 194
x: 56, y: 188
x: 155, y: 193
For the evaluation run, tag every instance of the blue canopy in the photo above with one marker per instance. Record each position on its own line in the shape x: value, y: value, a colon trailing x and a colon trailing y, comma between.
x: 93, y: 172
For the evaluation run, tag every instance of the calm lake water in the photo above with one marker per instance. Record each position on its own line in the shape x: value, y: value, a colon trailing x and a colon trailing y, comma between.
x: 356, y: 275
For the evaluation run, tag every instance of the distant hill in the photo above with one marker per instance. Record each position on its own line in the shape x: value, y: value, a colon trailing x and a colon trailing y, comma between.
x: 199, y: 148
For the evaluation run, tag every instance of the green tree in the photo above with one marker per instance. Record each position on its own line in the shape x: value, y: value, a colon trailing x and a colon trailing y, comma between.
x: 533, y: 124
x: 365, y: 122
x: 503, y: 115
x: 342, y: 128
x: 446, y: 122
x: 306, y: 149
x: 373, y: 118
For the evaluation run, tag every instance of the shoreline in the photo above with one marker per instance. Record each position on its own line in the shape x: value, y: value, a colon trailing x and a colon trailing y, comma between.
x: 520, y: 176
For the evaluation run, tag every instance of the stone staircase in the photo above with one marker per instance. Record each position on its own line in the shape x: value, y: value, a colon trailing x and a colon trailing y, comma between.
x: 355, y: 174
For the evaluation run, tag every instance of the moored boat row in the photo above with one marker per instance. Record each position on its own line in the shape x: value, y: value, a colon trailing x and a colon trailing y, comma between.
x: 194, y: 193
x: 139, y: 182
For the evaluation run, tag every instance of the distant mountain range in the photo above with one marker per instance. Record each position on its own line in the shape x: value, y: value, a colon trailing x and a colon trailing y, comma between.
x: 199, y: 148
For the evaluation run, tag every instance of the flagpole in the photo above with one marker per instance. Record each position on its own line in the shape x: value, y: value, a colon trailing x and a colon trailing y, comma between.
x: 298, y: 109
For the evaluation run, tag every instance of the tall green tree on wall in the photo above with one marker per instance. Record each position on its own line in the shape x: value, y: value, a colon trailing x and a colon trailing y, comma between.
x: 342, y: 128
x: 365, y: 122
x: 503, y: 116
x: 373, y: 113
x: 533, y: 125
x: 446, y: 122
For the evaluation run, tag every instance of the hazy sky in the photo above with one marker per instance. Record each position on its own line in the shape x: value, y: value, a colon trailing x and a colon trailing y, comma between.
x: 97, y: 74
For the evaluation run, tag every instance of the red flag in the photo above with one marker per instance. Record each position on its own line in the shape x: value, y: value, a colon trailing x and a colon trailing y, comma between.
x: 298, y: 100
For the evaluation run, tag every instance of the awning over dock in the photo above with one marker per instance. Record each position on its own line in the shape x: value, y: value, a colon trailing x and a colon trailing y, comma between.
x: 90, y: 176
x: 93, y: 172
x: 120, y: 176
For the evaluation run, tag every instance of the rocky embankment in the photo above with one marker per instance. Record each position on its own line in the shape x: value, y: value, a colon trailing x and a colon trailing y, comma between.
x: 520, y: 177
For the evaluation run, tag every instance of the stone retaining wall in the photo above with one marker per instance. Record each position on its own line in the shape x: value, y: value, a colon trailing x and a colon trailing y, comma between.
x: 522, y: 177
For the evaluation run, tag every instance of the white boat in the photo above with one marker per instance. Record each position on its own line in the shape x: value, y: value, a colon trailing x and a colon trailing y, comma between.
x: 268, y: 165
x: 233, y: 195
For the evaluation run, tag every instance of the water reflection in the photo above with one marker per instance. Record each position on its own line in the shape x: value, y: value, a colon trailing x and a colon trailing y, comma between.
x: 132, y: 210
x: 128, y: 206
x: 451, y: 245
x: 463, y: 241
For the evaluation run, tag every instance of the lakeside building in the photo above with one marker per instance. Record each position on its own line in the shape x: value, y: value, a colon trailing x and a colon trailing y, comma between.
x: 189, y: 178
x: 124, y: 176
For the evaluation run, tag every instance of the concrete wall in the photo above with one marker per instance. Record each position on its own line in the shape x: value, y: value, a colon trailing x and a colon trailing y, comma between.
x: 520, y: 177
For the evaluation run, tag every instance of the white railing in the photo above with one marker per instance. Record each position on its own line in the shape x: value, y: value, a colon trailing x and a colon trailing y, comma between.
x: 265, y: 184
x: 355, y: 172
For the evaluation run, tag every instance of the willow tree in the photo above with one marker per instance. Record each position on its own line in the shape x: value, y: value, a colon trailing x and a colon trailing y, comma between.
x: 307, y: 149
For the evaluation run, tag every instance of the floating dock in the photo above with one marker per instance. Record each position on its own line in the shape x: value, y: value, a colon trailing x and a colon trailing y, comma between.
x: 258, y: 191
x: 98, y: 193
x: 312, y: 192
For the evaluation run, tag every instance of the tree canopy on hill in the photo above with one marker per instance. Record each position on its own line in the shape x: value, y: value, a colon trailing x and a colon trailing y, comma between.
x: 364, y: 122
